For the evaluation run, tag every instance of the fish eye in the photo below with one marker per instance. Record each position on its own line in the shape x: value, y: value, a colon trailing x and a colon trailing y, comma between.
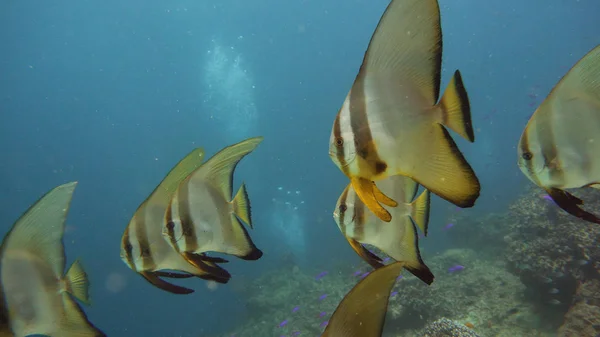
x: 343, y: 208
x: 527, y: 155
x: 339, y: 141
x: 170, y: 225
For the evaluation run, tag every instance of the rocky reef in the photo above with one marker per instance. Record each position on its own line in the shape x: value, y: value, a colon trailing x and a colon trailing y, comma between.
x: 532, y: 271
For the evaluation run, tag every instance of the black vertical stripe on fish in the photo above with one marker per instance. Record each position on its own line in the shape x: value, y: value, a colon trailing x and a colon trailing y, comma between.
x: 359, y: 218
x: 343, y: 208
x: 339, y: 143
x: 546, y: 136
x: 359, y: 124
x: 171, y: 228
x: 129, y: 250
x: 185, y: 217
x: 144, y: 245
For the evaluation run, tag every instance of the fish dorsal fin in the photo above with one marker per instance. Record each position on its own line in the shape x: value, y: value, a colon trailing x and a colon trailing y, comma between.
x: 580, y: 83
x: 362, y: 311
x: 405, y: 39
x: 164, y: 191
x: 218, y: 170
x: 40, y: 229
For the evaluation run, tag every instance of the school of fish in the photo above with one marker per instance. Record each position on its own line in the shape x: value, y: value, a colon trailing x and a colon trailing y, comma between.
x: 389, y: 137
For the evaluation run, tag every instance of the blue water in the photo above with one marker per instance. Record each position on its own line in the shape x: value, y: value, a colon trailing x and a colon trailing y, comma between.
x: 113, y: 93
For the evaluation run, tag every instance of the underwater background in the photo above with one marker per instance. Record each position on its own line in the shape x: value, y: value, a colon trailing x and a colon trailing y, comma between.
x: 113, y: 93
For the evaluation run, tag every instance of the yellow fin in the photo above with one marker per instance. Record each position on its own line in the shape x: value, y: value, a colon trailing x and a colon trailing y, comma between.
x: 443, y: 170
x: 218, y: 170
x: 364, y: 190
x: 241, y: 244
x: 167, y: 187
x: 420, y: 211
x: 40, y: 229
x: 456, y: 108
x: 407, y: 44
x: 75, y: 323
x: 241, y: 205
x: 77, y: 283
x: 382, y: 198
x: 362, y: 311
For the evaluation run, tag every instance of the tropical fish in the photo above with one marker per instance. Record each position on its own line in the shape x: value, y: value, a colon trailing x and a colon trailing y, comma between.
x: 398, y: 239
x: 362, y: 311
x: 558, y: 149
x: 143, y: 247
x: 202, y: 216
x: 32, y: 258
x: 390, y: 123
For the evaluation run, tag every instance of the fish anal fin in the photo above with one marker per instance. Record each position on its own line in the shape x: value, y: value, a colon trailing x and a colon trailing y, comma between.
x: 77, y: 283
x: 382, y: 198
x: 364, y: 189
x: 570, y: 204
x: 156, y: 281
x: 444, y: 171
x: 247, y: 249
x: 370, y: 258
x: 241, y: 205
x: 75, y: 323
x: 456, y: 110
x: 420, y: 211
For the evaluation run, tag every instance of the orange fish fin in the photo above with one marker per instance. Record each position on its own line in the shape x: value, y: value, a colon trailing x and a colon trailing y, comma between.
x: 365, y: 254
x: 570, y: 204
x: 164, y: 285
x: 382, y: 198
x: 364, y: 190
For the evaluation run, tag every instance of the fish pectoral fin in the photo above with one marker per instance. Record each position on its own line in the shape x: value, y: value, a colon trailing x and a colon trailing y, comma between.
x: 420, y: 211
x: 208, y: 270
x: 570, y: 204
x: 156, y: 281
x: 77, y: 283
x: 370, y: 258
x: 212, y: 259
x: 443, y: 169
x: 241, y: 205
x: 456, y: 108
x: 75, y: 323
x: 364, y: 189
x: 382, y: 198
x: 172, y: 274
x: 368, y: 300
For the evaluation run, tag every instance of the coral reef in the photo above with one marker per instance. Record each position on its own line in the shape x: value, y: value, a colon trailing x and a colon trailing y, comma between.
x: 551, y: 251
x: 446, y: 328
x: 583, y: 318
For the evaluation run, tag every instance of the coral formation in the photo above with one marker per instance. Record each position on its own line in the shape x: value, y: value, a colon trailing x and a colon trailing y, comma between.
x: 446, y: 328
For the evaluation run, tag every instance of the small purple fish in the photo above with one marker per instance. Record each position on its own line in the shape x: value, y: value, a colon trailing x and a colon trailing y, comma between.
x: 394, y: 293
x: 321, y: 275
x: 448, y: 226
x: 399, y: 277
x: 295, y: 333
x: 456, y: 268
x: 322, y: 314
x: 356, y: 273
x: 365, y: 274
x: 295, y: 309
x: 324, y: 296
x: 548, y: 198
x: 324, y: 324
x: 282, y: 324
x: 386, y: 259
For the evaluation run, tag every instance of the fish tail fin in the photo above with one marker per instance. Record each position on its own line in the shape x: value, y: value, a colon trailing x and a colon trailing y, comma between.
x: 420, y: 211
x: 241, y: 205
x: 456, y: 109
x: 77, y: 283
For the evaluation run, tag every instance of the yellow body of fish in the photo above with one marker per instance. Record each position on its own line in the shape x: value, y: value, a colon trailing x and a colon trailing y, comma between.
x: 560, y: 146
x: 398, y: 239
x: 36, y: 293
x: 391, y: 121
